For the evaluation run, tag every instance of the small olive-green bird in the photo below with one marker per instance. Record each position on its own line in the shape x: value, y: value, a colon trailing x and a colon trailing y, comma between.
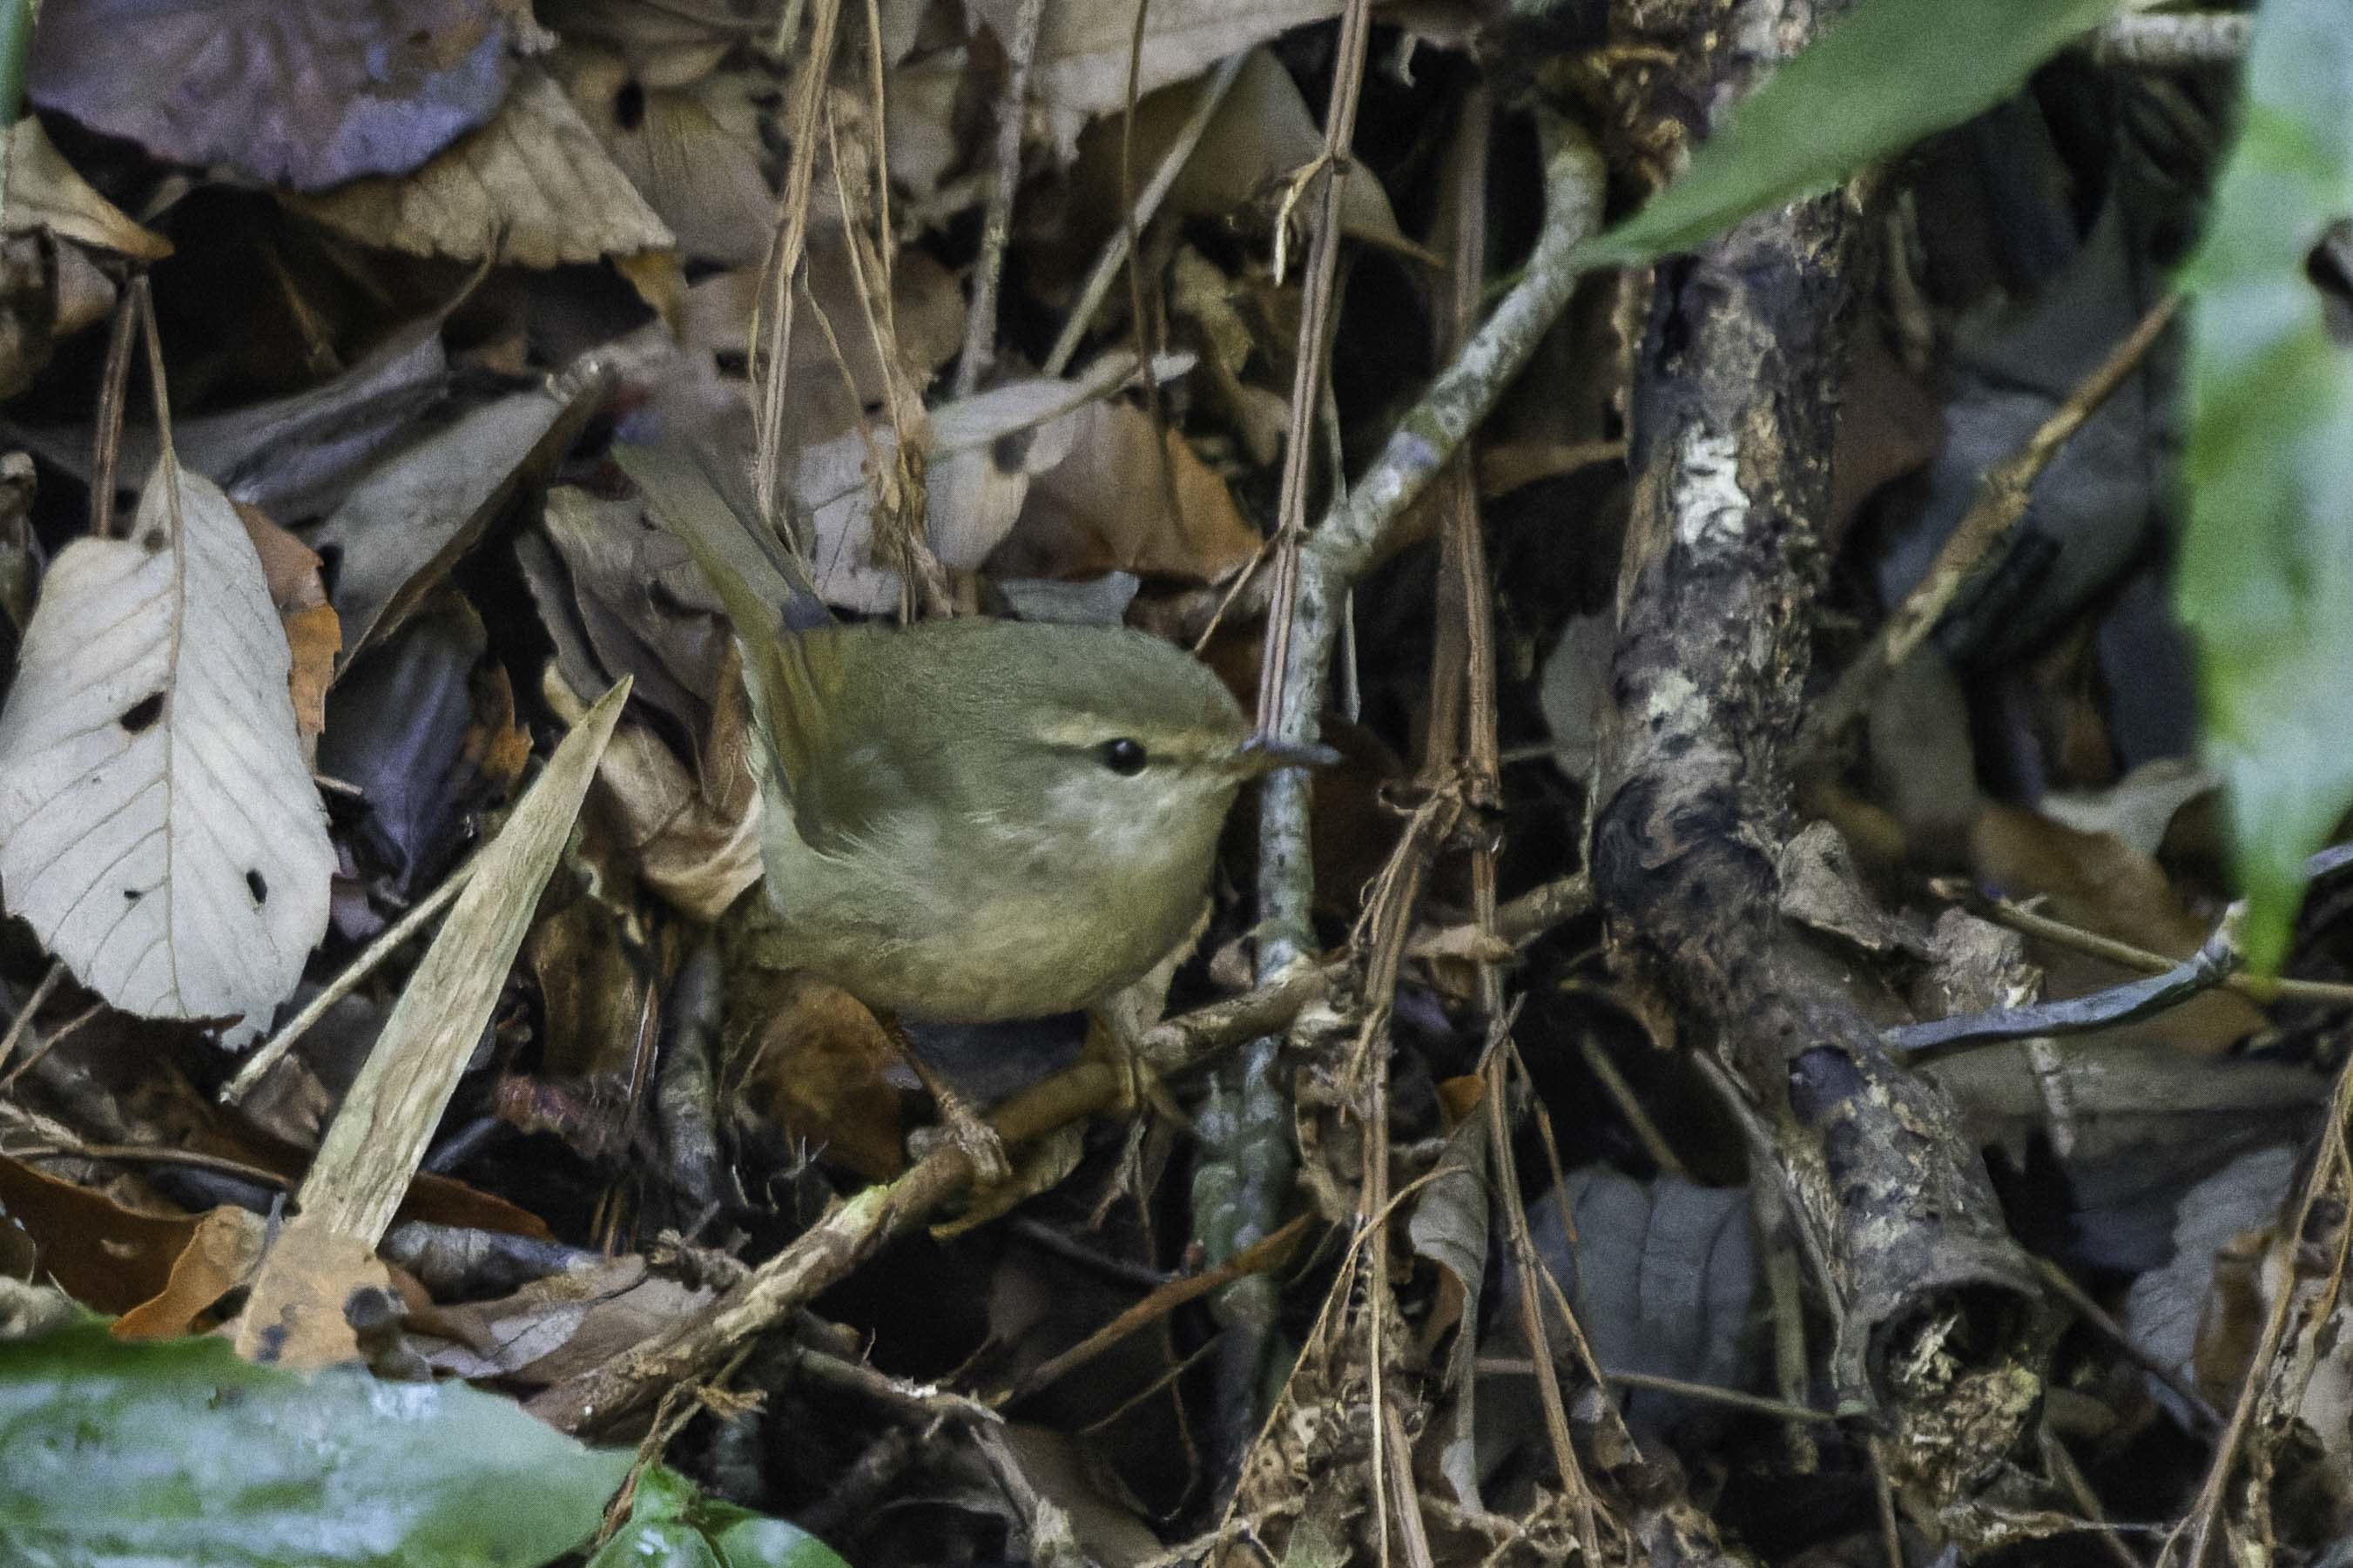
x: 968, y: 820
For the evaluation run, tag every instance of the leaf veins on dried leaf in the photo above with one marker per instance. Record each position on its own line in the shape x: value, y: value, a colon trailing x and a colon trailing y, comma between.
x: 158, y: 826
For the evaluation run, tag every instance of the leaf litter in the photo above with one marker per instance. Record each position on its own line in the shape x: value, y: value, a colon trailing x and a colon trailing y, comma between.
x: 396, y: 717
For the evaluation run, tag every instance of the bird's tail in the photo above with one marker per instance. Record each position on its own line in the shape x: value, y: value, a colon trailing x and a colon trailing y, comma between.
x: 768, y: 594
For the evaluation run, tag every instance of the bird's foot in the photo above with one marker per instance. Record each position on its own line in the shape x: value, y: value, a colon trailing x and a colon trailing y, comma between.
x: 964, y: 1126
x: 960, y: 1123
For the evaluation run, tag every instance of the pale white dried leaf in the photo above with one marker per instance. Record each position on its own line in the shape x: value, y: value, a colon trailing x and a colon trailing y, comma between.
x: 159, y: 829
x: 982, y: 449
x: 534, y: 187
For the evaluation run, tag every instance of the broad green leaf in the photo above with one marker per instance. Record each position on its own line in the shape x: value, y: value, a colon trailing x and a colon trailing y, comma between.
x: 129, y: 1456
x: 673, y: 1525
x: 2266, y: 572
x: 657, y: 1544
x: 1877, y: 82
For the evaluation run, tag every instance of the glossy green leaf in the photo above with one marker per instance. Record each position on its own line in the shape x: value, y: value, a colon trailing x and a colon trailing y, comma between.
x: 1888, y: 74
x: 657, y: 1544
x: 673, y: 1525
x: 133, y: 1455
x: 2266, y: 571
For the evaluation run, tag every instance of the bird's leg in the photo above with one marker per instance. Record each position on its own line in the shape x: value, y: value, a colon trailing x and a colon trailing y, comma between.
x: 1116, y: 1023
x: 958, y: 1116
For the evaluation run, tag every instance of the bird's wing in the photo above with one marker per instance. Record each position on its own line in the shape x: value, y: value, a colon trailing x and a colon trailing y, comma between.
x: 791, y: 694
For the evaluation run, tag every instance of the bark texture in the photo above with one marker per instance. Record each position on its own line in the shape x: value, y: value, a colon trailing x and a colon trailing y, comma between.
x: 1734, y: 411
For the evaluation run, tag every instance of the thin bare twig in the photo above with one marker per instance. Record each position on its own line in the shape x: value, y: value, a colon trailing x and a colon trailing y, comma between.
x: 1709, y: 1393
x: 141, y: 1154
x: 1241, y: 1182
x: 106, y: 434
x: 1155, y: 190
x: 387, y: 943
x: 2124, y: 955
x: 784, y: 260
x: 1269, y: 1252
x: 1992, y: 517
x: 2215, y: 961
x: 853, y: 1231
x: 2063, y: 1285
x: 2328, y: 1167
x: 1522, y: 1242
x: 997, y: 219
x: 1315, y: 316
x: 24, y: 1018
x: 64, y: 1031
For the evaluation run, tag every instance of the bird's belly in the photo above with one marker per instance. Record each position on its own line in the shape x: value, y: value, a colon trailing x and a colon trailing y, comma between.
x: 984, y: 969
x: 969, y: 960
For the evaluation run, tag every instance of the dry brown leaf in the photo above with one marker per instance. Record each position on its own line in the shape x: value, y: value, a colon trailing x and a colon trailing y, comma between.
x: 1082, y: 60
x: 593, y: 998
x: 551, y: 1328
x: 1260, y: 136
x: 2138, y: 808
x: 2097, y: 881
x: 187, y: 876
x: 312, y: 1286
x: 926, y: 306
x: 922, y: 132
x: 103, y: 1255
x: 45, y: 193
x: 306, y: 94
x: 648, y: 32
x: 289, y: 567
x: 820, y: 1067
x: 1105, y: 508
x: 697, y: 853
x: 219, y: 1258
x: 642, y: 605
x: 314, y: 633
x: 497, y: 747
x: 692, y: 150
x: 985, y: 449
x: 534, y: 187
x: 28, y: 313
x: 2091, y: 880
x: 401, y: 530
x: 1200, y: 294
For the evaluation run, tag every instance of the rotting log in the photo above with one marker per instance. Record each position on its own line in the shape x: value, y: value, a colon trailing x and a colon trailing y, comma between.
x: 1734, y: 403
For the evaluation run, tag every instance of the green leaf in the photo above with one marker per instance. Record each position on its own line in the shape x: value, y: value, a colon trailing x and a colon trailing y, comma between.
x: 1887, y: 75
x: 130, y: 1456
x: 657, y: 1544
x: 2266, y: 573
x: 673, y: 1525
x: 772, y: 1543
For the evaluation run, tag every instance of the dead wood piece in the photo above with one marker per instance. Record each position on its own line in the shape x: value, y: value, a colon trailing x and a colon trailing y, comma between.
x: 1734, y: 410
x: 616, y: 1395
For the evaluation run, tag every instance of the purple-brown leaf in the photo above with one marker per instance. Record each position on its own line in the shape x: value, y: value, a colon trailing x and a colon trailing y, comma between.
x: 307, y: 95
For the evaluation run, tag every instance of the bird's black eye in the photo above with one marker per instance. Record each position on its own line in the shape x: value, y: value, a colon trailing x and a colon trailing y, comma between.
x: 1124, y: 756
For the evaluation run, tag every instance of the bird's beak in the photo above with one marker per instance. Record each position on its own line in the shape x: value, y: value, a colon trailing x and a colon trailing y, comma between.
x: 1263, y: 753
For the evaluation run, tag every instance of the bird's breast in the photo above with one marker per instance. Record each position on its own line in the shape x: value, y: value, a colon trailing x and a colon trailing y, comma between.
x: 1007, y: 923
